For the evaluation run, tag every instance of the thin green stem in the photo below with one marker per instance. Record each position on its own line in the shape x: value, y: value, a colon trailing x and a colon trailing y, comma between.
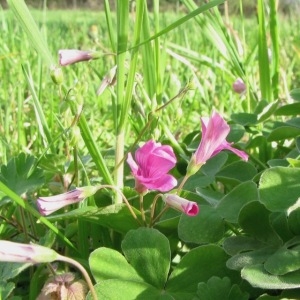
x: 123, y: 198
x: 160, y: 214
x: 142, y: 208
x: 153, y: 208
x: 182, y: 183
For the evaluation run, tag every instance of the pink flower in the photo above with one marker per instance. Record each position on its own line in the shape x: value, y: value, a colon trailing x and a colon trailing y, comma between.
x: 48, y: 205
x: 71, y: 56
x: 239, y: 86
x: 190, y: 208
x: 153, y: 162
x: 213, y: 141
x: 26, y: 253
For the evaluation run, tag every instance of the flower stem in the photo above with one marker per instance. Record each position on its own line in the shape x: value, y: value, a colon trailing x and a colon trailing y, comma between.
x: 142, y: 208
x: 153, y: 209
x: 83, y: 271
x: 122, y: 197
x: 160, y: 214
x: 185, y: 178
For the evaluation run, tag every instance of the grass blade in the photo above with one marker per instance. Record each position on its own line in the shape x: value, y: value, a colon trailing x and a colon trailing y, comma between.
x: 23, y: 15
x: 264, y: 68
x: 275, y: 47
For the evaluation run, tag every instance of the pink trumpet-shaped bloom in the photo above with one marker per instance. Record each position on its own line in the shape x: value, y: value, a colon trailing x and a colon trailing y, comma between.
x: 190, y: 208
x: 71, y: 56
x: 214, y: 133
x: 48, y: 205
x: 26, y: 253
x: 152, y: 163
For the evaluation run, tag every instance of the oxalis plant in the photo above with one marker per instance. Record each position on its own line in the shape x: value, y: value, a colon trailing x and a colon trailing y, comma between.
x: 212, y: 215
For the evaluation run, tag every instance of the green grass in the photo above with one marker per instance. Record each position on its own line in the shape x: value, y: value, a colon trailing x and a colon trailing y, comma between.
x: 163, y: 87
x: 69, y: 29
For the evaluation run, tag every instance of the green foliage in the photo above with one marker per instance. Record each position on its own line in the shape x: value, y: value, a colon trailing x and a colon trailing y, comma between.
x: 171, y: 69
x: 22, y: 175
x: 217, y: 289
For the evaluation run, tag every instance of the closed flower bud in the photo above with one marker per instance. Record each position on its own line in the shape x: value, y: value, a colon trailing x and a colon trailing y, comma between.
x: 26, y: 253
x: 72, y: 56
x: 190, y: 208
x: 57, y: 75
x: 48, y: 205
x: 239, y: 86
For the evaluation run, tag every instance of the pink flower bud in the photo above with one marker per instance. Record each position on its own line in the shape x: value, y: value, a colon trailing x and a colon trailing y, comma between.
x: 48, y: 205
x: 190, y: 208
x: 239, y: 86
x: 72, y: 56
x: 26, y: 253
x: 153, y: 162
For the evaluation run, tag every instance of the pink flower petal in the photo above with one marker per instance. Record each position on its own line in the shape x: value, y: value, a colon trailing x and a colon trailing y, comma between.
x: 152, y: 163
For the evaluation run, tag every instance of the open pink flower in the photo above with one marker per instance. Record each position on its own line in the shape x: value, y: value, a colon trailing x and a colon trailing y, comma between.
x: 48, y: 205
x: 71, y: 56
x: 190, y: 208
x: 152, y: 163
x: 26, y: 253
x: 214, y: 133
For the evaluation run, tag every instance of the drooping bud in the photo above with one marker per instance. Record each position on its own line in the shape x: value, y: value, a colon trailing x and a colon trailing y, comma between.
x: 190, y: 208
x: 72, y: 56
x: 26, y: 253
x: 48, y: 205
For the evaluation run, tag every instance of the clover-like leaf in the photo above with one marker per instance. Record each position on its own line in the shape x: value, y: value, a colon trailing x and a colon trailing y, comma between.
x: 220, y: 289
x: 21, y: 174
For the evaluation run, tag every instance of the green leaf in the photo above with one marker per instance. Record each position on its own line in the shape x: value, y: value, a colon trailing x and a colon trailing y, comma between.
x: 236, y: 133
x: 254, y: 219
x: 239, y: 261
x: 220, y: 289
x: 236, y: 244
x: 233, y: 174
x: 279, y: 222
x: 288, y: 110
x: 267, y: 111
x: 279, y: 188
x: 111, y: 262
x: 257, y: 276
x: 214, y: 165
x: 115, y: 289
x: 283, y: 133
x: 283, y: 261
x: 206, y: 227
x: 196, y: 266
x: 21, y: 174
x: 9, y: 270
x: 294, y: 221
x: 244, y: 119
x: 230, y: 206
x: 6, y: 289
x: 295, y: 94
x: 116, y: 216
x: 148, y: 251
